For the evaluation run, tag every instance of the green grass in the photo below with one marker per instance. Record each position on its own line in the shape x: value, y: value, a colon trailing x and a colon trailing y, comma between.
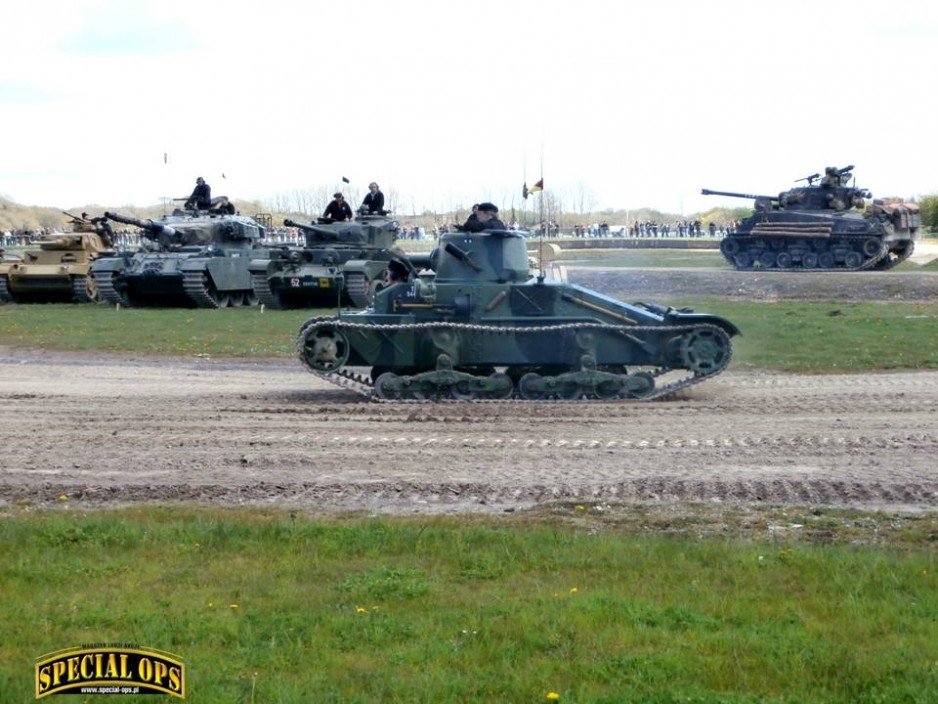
x: 476, y: 610
x: 645, y: 258
x: 791, y: 336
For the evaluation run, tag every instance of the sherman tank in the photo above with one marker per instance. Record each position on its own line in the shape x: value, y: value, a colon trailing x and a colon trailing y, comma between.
x: 478, y: 325
x: 340, y: 262
x: 190, y: 258
x: 826, y: 226
x: 58, y: 270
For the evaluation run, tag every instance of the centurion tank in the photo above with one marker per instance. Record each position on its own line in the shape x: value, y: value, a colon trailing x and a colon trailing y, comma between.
x: 340, y: 262
x: 823, y: 227
x: 192, y: 257
x: 479, y: 325
x: 58, y: 269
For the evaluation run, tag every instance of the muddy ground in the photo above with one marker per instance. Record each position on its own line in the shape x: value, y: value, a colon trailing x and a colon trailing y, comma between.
x: 118, y: 429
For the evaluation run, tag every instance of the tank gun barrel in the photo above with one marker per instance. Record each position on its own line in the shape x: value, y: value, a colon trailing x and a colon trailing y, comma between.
x: 153, y: 229
x: 730, y: 194
x: 323, y: 232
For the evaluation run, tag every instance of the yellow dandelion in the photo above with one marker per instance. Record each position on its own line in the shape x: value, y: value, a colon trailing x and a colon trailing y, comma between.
x: 63, y: 497
x: 375, y: 608
x: 580, y: 507
x: 361, y: 610
x: 211, y: 603
x: 573, y: 590
x: 232, y: 606
x: 553, y: 696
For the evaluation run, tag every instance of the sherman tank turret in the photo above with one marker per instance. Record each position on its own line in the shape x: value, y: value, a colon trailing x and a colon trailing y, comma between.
x: 824, y: 226
x: 343, y: 262
x: 192, y: 257
x: 58, y: 269
x: 480, y: 326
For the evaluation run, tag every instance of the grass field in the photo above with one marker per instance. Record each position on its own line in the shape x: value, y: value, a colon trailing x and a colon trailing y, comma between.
x: 269, y: 606
x: 791, y: 336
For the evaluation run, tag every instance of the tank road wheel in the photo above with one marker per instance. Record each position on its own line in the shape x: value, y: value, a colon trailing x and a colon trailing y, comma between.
x: 5, y: 295
x: 640, y: 384
x: 826, y: 260
x: 742, y: 261
x: 534, y: 386
x: 871, y: 247
x: 606, y: 389
x: 729, y: 248
x: 499, y: 386
x: 768, y: 259
x: 464, y: 390
x: 784, y: 260
x: 383, y: 385
x: 705, y: 350
x: 852, y: 260
x: 249, y: 298
x: 531, y: 386
x: 326, y: 350
x: 809, y: 260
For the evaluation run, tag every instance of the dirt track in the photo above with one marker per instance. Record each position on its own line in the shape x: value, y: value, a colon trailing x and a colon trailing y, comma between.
x: 125, y: 430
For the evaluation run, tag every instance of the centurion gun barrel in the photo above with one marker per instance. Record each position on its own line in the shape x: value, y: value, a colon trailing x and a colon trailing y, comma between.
x: 153, y: 229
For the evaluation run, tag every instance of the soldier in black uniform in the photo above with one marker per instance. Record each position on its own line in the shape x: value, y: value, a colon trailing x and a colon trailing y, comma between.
x: 201, y: 195
x: 486, y: 219
x: 338, y: 210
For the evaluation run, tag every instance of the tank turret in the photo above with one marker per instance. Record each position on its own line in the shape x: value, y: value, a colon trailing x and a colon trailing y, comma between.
x: 480, y: 326
x: 820, y: 227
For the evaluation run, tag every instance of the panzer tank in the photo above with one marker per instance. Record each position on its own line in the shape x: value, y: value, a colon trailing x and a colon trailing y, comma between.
x: 479, y: 326
x: 343, y: 262
x: 190, y: 258
x: 823, y: 227
x: 58, y: 270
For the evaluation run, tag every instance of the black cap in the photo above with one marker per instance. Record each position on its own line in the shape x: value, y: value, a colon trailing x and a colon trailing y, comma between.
x: 488, y: 207
x: 336, y: 195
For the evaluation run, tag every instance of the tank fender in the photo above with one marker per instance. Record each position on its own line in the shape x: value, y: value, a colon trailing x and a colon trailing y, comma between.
x: 227, y: 273
x: 260, y: 266
x: 369, y: 267
x: 678, y: 318
x: 104, y: 264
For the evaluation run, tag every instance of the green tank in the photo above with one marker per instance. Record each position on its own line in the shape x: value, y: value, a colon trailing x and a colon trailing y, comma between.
x: 478, y: 325
x: 58, y: 270
x: 339, y: 261
x: 190, y: 258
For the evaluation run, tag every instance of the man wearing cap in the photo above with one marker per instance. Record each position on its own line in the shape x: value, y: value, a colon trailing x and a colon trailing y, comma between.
x: 338, y: 210
x: 201, y: 195
x: 486, y: 219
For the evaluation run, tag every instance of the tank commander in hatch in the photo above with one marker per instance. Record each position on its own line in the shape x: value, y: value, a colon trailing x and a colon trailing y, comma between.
x: 201, y: 197
x: 486, y: 219
x: 338, y: 210
x: 373, y: 203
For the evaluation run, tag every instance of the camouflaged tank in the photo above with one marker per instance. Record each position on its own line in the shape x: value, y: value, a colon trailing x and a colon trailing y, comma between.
x: 190, y: 258
x: 58, y: 270
x: 339, y: 263
x: 479, y: 325
x: 823, y: 227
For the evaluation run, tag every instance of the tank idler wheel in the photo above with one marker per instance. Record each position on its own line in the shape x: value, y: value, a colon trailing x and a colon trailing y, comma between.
x: 729, y: 247
x: 852, y: 260
x: 384, y: 386
x: 826, y: 260
x: 326, y: 350
x: 809, y: 260
x: 705, y: 350
x: 784, y: 260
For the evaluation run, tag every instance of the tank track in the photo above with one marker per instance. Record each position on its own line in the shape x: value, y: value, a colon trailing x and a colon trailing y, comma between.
x: 904, y: 253
x: 870, y: 262
x: 80, y: 288
x: 5, y: 295
x: 357, y: 288
x: 264, y: 295
x: 365, y: 387
x: 195, y: 287
x: 109, y: 293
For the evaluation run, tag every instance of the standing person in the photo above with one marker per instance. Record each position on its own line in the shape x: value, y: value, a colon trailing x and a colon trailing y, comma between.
x: 374, y: 200
x: 471, y: 221
x: 338, y: 210
x: 201, y: 197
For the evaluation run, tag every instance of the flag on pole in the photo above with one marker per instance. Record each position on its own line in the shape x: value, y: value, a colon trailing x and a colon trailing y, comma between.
x: 345, y: 180
x: 165, y: 158
x: 539, y: 186
x: 525, y: 191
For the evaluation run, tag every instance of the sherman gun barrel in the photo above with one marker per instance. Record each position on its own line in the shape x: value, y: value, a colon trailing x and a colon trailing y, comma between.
x: 323, y: 232
x: 730, y: 194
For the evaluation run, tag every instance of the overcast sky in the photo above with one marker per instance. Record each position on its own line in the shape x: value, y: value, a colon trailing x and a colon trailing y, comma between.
x: 449, y: 103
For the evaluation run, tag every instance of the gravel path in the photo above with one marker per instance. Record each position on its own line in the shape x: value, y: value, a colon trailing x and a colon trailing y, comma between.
x: 120, y: 429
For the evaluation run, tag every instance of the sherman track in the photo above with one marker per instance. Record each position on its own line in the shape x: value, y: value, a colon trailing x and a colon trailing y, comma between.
x: 705, y: 349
